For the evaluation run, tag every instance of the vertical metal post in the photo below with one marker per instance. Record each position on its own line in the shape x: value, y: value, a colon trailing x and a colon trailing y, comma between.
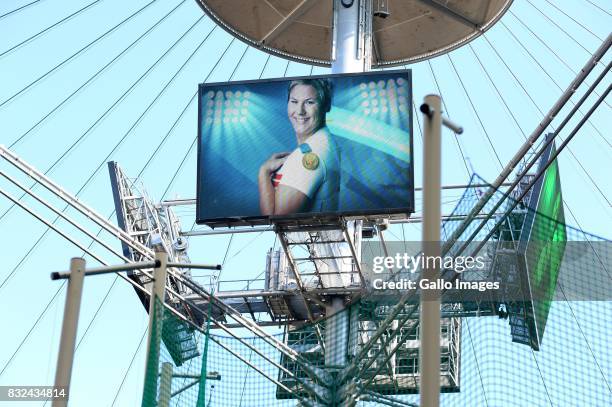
x: 165, y: 385
x: 69, y: 328
x: 158, y: 291
x: 351, y: 39
x: 430, y: 299
x: 336, y: 333
x: 352, y: 25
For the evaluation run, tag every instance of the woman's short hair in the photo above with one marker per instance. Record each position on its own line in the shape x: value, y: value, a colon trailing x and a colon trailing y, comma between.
x: 322, y: 86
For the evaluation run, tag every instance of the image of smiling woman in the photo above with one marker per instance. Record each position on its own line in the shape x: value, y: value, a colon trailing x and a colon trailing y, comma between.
x: 306, y: 179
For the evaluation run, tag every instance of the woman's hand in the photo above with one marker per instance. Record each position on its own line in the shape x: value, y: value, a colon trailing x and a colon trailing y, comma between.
x: 273, y: 163
x: 266, y: 189
x: 282, y: 200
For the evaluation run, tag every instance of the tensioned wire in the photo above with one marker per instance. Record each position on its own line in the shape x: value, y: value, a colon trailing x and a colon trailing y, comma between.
x: 582, y: 122
x: 458, y: 143
x: 116, y: 277
x: 245, y: 51
x: 565, y: 121
x: 558, y: 86
x: 575, y: 21
x: 469, y: 335
x: 113, y: 105
x: 536, y: 361
x: 468, y: 172
x: 63, y: 20
x: 595, y: 5
x: 82, y: 188
x: 499, y: 94
x: 514, y: 205
x: 179, y: 168
x: 560, y: 28
x: 146, y: 165
x: 94, y: 76
x: 87, y: 182
x: 60, y: 289
x: 467, y: 94
x: 230, y: 78
x: 579, y: 111
x: 193, y: 226
x: 445, y: 108
x: 148, y: 162
x: 594, y: 107
x: 417, y: 114
x: 535, y: 60
x: 187, y: 154
x: 71, y: 57
x: 225, y: 257
x: 195, y: 140
x: 483, y: 127
x: 144, y: 334
x: 552, y: 51
x: 571, y: 213
x: 8, y: 13
x: 112, y: 285
x: 435, y: 79
x: 538, y: 108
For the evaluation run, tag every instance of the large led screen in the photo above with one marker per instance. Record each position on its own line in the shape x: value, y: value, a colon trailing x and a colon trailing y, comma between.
x: 310, y: 147
x: 543, y: 241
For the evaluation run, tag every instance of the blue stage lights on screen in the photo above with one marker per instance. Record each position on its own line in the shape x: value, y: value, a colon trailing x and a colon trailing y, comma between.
x: 381, y: 98
x: 242, y: 124
x: 226, y: 107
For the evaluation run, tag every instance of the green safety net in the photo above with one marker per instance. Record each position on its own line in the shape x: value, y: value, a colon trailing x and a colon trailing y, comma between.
x: 547, y: 346
x: 176, y: 361
x: 150, y: 391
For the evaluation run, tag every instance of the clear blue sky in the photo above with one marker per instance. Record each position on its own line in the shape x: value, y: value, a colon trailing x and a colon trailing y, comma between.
x: 569, y: 29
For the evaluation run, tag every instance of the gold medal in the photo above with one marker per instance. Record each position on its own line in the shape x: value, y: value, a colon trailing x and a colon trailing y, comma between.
x: 310, y: 161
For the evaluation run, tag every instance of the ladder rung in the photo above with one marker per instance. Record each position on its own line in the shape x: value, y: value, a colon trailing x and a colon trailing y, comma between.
x: 323, y: 258
x: 319, y: 242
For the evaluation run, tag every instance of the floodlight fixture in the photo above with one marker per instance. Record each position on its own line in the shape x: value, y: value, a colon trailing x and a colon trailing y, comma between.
x: 381, y: 8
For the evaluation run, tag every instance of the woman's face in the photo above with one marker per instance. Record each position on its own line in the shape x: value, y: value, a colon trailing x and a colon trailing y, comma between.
x: 304, y: 110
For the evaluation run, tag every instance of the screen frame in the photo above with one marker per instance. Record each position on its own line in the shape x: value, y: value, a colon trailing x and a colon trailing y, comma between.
x: 535, y: 326
x: 306, y: 218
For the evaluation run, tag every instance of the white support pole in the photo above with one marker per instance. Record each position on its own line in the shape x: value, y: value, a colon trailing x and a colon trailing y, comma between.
x: 69, y: 328
x: 165, y: 385
x: 430, y: 299
x: 351, y: 47
x: 158, y: 291
x: 159, y: 276
x: 351, y: 42
x: 336, y: 333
